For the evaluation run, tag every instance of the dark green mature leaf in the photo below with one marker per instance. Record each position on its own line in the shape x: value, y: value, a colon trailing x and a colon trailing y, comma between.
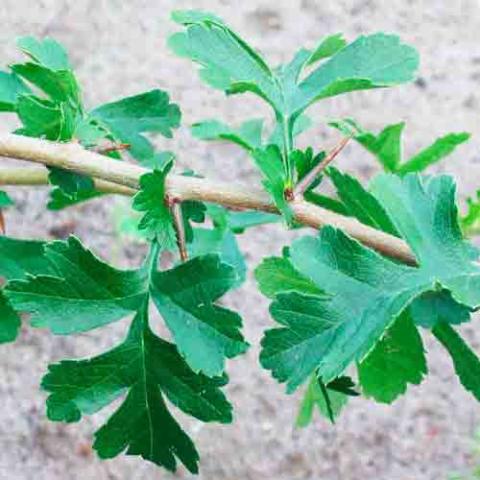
x: 269, y: 161
x: 437, y: 151
x: 43, y: 118
x: 5, y: 200
x: 156, y: 223
x: 79, y: 293
x: 127, y: 119
x: 19, y: 258
x: 222, y: 242
x: 9, y: 321
x: 368, y: 291
x: 397, y: 360
x: 11, y: 87
x: 465, y: 361
x: 150, y: 368
x: 329, y: 402
x: 204, y: 333
x: 229, y: 64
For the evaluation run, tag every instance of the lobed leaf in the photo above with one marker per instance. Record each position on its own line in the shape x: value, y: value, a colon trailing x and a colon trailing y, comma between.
x: 369, y: 292
x: 129, y: 118
x: 204, y: 332
x: 79, y: 293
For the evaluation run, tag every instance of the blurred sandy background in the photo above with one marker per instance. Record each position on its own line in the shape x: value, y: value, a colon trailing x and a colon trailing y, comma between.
x: 118, y: 48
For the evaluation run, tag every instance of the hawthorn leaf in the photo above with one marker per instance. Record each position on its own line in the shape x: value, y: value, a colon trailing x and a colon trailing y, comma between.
x: 470, y: 222
x: 386, y: 146
x: 222, y: 242
x: 157, y: 220
x: 238, y: 222
x: 277, y: 274
x: 47, y: 52
x: 9, y: 321
x: 396, y: 360
x: 147, y: 369
x: 60, y: 86
x: 372, y: 61
x: 434, y: 153
x: 5, y: 200
x: 81, y: 292
x: 43, y: 118
x: 359, y: 202
x: 365, y: 292
x: 433, y: 308
x: 129, y: 118
x: 324, y: 201
x: 247, y: 136
x: 204, y: 332
x: 465, y: 361
x: 327, y: 47
x: 270, y: 163
x: 329, y: 402
x: 60, y: 200
x: 228, y: 63
x: 21, y: 258
x: 11, y: 88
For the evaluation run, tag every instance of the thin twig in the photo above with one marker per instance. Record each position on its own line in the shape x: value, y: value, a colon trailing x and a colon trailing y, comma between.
x: 176, y: 209
x: 110, y: 147
x: 75, y: 158
x: 311, y: 176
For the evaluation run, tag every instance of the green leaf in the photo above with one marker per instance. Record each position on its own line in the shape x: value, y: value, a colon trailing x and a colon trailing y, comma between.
x: 5, y: 200
x: 130, y: 117
x: 238, y: 222
x: 60, y: 200
x: 465, y: 361
x: 434, y: 153
x: 11, y: 88
x: 20, y: 258
x: 397, y: 360
x: 372, y: 61
x: 329, y: 203
x: 269, y: 161
x: 301, y: 124
x: 433, y: 308
x: 81, y: 293
x: 386, y: 146
x: 229, y: 64
x: 369, y: 292
x: 204, y: 333
x: 9, y: 321
x: 329, y: 403
x: 222, y: 242
x: 60, y: 86
x: 149, y: 369
x: 360, y: 203
x: 327, y: 47
x: 276, y: 275
x: 43, y: 118
x: 247, y: 136
x: 47, y: 52
x: 156, y: 223
x: 470, y: 222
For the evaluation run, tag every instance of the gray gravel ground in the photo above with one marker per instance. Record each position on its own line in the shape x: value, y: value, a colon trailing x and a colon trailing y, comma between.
x: 118, y: 48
